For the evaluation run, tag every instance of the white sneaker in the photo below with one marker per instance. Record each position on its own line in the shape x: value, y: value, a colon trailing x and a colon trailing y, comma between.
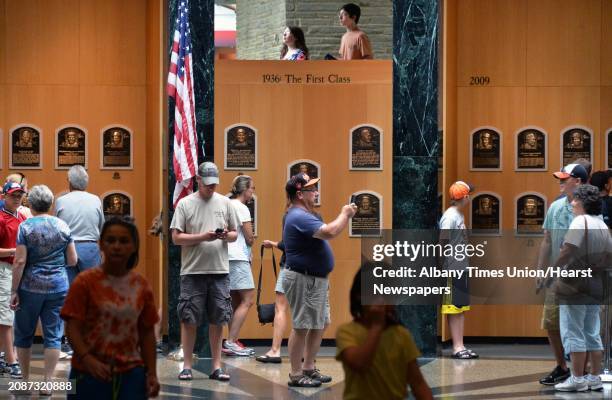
x: 593, y: 382
x: 573, y: 384
x: 65, y: 356
x: 234, y: 349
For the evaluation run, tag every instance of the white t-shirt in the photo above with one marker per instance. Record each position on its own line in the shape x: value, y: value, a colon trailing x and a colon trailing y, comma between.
x: 239, y: 250
x: 193, y: 214
x: 452, y: 229
x: 599, y: 239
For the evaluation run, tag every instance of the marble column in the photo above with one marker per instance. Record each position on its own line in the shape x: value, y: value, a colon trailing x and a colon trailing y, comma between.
x: 203, y: 52
x: 415, y: 139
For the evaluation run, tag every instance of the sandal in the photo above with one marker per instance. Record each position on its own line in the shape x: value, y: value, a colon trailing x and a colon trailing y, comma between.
x: 219, y: 375
x: 473, y: 353
x: 463, y: 355
x: 269, y: 359
x: 303, y: 381
x: 186, y: 375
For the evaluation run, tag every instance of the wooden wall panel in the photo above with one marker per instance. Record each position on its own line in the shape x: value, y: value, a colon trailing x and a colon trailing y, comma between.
x: 42, y: 42
x: 491, y: 41
x: 556, y: 108
x: 156, y: 114
x: 68, y: 66
x: 112, y: 47
x: 32, y: 105
x: 606, y: 43
x: 606, y: 108
x: 2, y: 46
x: 567, y: 47
x: 563, y: 46
x: 606, y: 118
x: 306, y: 121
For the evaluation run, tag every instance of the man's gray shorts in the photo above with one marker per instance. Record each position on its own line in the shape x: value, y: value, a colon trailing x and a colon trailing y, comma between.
x: 308, y: 298
x: 205, y: 297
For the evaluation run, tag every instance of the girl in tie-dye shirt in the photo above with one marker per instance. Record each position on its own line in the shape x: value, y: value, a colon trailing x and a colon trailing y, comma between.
x: 110, y: 315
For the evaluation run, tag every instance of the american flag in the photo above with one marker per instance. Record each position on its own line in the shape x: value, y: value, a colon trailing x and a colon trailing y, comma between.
x: 180, y: 88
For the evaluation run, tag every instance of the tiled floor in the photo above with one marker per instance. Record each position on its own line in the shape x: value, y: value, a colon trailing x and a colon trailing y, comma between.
x: 502, y: 372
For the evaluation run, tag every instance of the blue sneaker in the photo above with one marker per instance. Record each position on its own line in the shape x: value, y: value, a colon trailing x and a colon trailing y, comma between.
x: 14, y: 370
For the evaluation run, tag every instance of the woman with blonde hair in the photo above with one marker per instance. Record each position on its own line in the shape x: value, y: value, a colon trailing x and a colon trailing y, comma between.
x: 242, y: 286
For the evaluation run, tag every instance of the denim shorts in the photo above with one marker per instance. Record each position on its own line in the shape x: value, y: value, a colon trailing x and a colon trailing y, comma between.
x: 33, y: 306
x: 88, y: 254
x: 580, y: 328
x: 240, y: 275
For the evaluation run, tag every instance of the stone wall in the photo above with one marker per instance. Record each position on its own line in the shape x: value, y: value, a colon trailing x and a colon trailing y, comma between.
x: 260, y: 24
x: 259, y: 29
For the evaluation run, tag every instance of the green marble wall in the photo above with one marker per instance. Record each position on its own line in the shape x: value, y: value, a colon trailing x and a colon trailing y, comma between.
x: 203, y: 53
x: 415, y: 138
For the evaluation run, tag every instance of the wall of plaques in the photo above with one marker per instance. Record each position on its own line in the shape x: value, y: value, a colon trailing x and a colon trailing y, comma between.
x: 56, y: 110
x: 284, y: 128
x: 539, y: 74
x: 530, y: 155
x: 71, y: 147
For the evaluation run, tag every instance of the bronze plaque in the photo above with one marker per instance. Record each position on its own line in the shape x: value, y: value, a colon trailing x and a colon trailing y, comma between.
x: 576, y: 144
x: 531, y: 150
x: 486, y: 215
x: 71, y: 148
x: 25, y: 148
x: 609, y: 149
x: 366, y: 148
x: 117, y: 148
x: 367, y: 221
x: 486, y: 150
x: 116, y: 205
x: 240, y: 148
x: 530, y: 212
x: 252, y: 206
x: 309, y: 168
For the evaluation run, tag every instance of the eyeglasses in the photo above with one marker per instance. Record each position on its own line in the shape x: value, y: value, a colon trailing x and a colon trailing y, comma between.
x: 308, y: 190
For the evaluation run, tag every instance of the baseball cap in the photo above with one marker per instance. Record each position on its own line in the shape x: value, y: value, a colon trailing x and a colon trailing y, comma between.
x: 460, y: 190
x: 209, y: 173
x: 12, y: 187
x: 574, y: 171
x: 298, y: 182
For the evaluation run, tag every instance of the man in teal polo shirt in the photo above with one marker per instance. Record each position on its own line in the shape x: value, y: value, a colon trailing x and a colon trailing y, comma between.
x: 558, y: 219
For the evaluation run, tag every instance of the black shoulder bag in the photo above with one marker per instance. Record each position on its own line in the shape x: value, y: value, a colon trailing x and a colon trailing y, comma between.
x: 265, y: 312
